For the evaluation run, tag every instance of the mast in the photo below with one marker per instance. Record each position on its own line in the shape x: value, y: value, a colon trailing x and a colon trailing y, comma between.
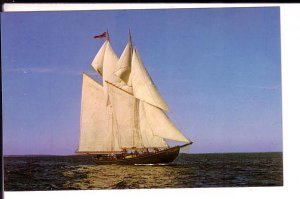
x: 107, y: 37
x: 104, y: 63
x: 130, y: 38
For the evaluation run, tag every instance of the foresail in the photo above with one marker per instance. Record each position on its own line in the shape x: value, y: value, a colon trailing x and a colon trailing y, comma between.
x: 93, y: 119
x: 148, y: 137
x: 161, y: 124
x: 142, y: 84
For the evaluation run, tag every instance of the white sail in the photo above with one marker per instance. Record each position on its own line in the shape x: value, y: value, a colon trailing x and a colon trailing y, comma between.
x: 133, y: 128
x: 97, y: 63
x: 161, y: 124
x: 123, y: 106
x: 109, y: 64
x: 112, y: 130
x: 148, y: 137
x: 123, y: 69
x: 142, y: 84
x: 94, y: 134
x: 105, y: 62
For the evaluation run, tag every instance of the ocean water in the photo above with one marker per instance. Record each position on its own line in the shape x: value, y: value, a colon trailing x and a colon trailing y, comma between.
x: 187, y: 171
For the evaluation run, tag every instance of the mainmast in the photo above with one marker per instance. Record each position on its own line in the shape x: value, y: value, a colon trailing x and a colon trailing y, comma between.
x: 130, y: 39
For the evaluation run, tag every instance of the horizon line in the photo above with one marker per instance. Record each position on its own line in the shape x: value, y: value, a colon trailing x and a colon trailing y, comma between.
x: 179, y: 153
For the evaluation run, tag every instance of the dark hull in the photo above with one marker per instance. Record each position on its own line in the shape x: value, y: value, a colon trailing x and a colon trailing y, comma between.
x: 160, y: 157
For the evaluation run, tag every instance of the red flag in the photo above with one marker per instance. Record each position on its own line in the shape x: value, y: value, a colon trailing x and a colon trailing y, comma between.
x: 100, y: 36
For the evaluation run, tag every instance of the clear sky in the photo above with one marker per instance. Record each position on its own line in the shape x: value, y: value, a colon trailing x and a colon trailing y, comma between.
x: 218, y: 70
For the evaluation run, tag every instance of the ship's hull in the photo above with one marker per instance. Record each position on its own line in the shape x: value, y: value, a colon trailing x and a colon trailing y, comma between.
x: 159, y: 157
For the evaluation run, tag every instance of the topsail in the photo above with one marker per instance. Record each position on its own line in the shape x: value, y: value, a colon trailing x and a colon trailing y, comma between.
x: 126, y: 111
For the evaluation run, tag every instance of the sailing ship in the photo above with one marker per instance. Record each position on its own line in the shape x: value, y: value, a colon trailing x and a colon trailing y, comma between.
x: 124, y: 120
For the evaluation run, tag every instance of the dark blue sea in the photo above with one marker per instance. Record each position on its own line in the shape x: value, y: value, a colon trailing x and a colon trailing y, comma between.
x: 37, y: 173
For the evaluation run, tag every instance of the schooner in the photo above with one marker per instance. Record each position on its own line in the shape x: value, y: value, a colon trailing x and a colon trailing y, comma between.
x: 123, y: 121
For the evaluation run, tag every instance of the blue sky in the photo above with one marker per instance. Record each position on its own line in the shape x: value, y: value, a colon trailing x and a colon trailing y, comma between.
x: 218, y: 70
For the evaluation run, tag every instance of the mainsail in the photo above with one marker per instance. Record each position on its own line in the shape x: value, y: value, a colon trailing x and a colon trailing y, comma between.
x: 127, y: 111
x: 94, y: 119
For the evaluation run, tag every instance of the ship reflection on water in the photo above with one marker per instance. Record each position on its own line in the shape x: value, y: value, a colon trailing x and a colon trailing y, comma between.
x: 120, y: 177
x: 187, y: 171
